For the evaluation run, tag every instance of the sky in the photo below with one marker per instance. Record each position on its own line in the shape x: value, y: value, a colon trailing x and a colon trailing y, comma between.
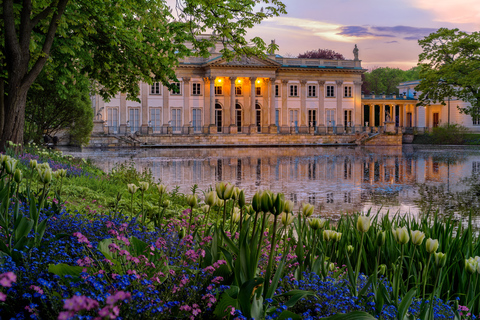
x: 385, y: 31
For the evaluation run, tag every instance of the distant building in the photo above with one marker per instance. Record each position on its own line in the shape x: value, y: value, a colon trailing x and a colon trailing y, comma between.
x: 432, y: 116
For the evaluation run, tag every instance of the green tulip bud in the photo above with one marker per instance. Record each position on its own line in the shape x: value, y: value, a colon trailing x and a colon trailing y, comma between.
x: 229, y: 188
x: 257, y: 202
x: 431, y: 245
x: 205, y: 208
x: 236, y: 215
x: 241, y: 199
x: 220, y: 188
x: 10, y: 165
x: 220, y: 202
x: 267, y: 201
x: 33, y: 164
x: 161, y: 188
x: 165, y: 203
x: 286, y: 218
x: 236, y: 193
x: 307, y: 209
x: 210, y: 198
x: 143, y: 186
x: 419, y: 266
x: 278, y: 204
x: 3, y: 159
x: 132, y: 188
x: 338, y: 236
x: 331, y: 266
x: 350, y: 249
x: 329, y: 235
x: 55, y: 174
x: 382, y: 269
x: 249, y: 210
x: 380, y: 238
x: 17, y: 176
x: 45, y: 174
x: 401, y: 235
x: 192, y: 200
x: 316, y: 223
x: 471, y: 265
x: 441, y: 259
x: 417, y: 237
x: 288, y: 206
x: 363, y: 223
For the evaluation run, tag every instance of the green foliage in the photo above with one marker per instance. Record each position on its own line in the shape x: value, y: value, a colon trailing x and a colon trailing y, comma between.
x: 449, y: 134
x: 449, y: 67
x: 385, y: 80
x: 50, y: 110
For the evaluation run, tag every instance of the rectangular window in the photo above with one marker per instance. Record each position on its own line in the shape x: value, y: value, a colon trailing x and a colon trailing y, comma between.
x: 155, y: 119
x: 476, y: 120
x: 347, y: 118
x: 277, y: 90
x: 330, y: 91
x: 196, y: 89
x: 218, y: 90
x: 258, y: 91
x: 294, y: 91
x: 112, y: 120
x: 330, y: 117
x: 312, y: 91
x: 476, y: 167
x: 176, y: 89
x: 348, y: 92
x: 238, y: 90
x: 197, y: 120
x: 134, y: 119
x: 155, y: 88
x: 176, y: 122
x: 312, y: 118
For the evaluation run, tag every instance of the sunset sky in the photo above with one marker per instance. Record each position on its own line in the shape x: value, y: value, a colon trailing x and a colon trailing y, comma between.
x: 386, y: 31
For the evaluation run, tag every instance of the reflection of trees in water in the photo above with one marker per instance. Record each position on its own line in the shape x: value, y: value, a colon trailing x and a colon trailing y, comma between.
x: 381, y: 197
x: 444, y: 200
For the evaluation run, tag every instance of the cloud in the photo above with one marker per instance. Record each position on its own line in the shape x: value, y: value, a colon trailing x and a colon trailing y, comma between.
x: 460, y: 11
x: 394, y: 41
x: 410, y: 33
x: 355, y: 31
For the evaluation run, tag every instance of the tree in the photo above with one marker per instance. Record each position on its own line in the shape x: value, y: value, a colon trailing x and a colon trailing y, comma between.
x: 387, y: 79
x: 450, y: 67
x: 47, y: 112
x: 118, y: 43
x: 321, y: 54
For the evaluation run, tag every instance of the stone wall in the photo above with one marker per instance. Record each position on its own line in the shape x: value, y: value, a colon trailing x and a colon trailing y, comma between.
x: 228, y: 140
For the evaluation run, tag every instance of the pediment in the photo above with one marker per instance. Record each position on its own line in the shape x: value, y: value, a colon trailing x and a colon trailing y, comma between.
x: 244, y: 62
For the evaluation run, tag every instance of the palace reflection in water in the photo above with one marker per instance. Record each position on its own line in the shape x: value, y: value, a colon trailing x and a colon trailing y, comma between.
x: 335, y: 180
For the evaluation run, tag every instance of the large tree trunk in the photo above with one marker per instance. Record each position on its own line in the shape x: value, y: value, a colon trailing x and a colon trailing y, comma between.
x: 14, y: 108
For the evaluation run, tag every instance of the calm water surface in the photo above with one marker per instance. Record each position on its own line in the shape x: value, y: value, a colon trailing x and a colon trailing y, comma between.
x: 408, y: 179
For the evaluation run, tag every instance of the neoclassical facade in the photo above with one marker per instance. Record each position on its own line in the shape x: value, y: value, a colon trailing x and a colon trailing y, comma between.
x: 248, y: 95
x: 275, y: 95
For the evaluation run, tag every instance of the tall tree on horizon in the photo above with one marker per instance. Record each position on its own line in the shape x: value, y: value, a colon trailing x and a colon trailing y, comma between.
x: 321, y: 54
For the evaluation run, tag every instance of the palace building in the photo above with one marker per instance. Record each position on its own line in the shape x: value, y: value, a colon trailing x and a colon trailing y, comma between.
x: 275, y: 95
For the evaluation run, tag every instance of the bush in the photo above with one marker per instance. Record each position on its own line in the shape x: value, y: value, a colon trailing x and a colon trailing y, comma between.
x: 449, y: 134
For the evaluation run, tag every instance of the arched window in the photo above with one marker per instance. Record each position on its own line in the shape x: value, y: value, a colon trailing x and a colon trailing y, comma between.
x: 238, y: 117
x: 258, y: 117
x: 218, y: 117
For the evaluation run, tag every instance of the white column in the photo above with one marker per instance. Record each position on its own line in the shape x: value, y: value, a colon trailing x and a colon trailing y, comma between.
x: 212, y: 101
x: 252, y: 100
x: 272, y: 101
x: 357, y: 104
x: 321, y: 103
x: 232, y: 100
x: 421, y: 120
x: 303, y: 103
x: 186, y: 102
x: 339, y: 121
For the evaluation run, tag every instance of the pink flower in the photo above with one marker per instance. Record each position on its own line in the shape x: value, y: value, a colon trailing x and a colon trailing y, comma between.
x: 7, y: 278
x: 3, y: 297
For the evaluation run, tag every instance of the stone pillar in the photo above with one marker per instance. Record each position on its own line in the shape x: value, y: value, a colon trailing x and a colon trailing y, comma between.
x: 212, y: 127
x: 253, y: 113
x: 186, y: 103
x: 404, y: 120
x: 393, y: 113
x: 421, y: 117
x: 233, y: 126
x: 321, y: 103
x: 358, y: 119
x: 303, y: 103
x: 382, y: 114
x: 372, y: 115
x: 284, y: 103
x: 273, y: 125
x: 339, y: 122
x: 123, y: 113
x: 166, y: 108
x: 144, y: 109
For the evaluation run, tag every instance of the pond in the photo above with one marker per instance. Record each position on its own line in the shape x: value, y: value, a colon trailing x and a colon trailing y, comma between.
x: 409, y: 179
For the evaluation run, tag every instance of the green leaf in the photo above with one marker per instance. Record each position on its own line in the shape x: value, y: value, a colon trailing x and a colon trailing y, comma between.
x: 63, y: 269
x: 23, y: 228
x: 245, y: 295
x: 138, y: 247
x: 294, y: 299
x: 405, y: 304
x: 224, y: 304
x: 289, y: 315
